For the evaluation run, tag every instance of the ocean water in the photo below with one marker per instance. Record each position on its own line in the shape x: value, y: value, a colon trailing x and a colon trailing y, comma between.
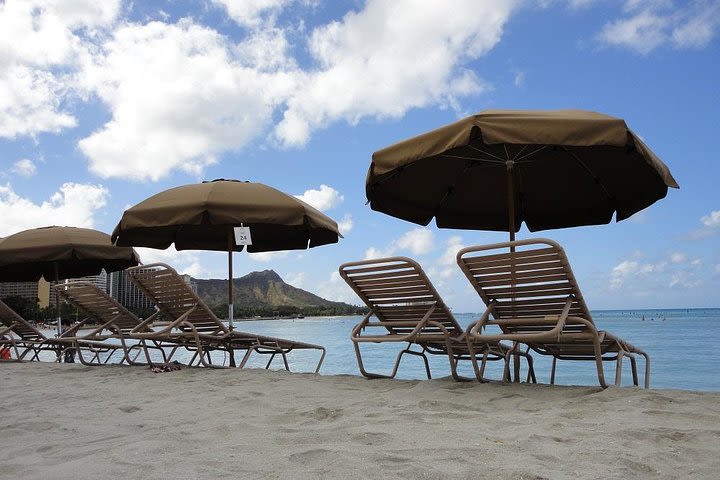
x: 681, y: 344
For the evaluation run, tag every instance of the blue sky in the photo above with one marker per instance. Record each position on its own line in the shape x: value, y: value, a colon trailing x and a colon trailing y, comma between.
x: 103, y: 104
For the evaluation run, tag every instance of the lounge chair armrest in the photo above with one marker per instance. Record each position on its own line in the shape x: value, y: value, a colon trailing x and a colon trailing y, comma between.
x: 144, y: 324
x: 478, y: 325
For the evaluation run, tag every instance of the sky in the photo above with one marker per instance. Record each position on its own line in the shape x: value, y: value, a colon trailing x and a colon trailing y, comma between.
x: 103, y: 104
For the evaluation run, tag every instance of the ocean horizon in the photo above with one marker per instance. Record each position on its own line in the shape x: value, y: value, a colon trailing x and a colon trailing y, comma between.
x: 680, y: 342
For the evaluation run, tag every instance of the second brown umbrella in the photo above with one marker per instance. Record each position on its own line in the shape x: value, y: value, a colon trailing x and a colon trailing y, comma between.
x: 204, y: 216
x: 499, y: 168
x: 57, y: 253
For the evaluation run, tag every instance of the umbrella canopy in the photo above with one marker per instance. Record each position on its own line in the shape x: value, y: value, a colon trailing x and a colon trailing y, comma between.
x: 499, y: 168
x: 57, y: 253
x: 203, y: 216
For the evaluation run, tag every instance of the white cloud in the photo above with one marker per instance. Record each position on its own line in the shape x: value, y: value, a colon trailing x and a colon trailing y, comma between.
x: 337, y: 290
x: 389, y: 57
x: 323, y: 199
x: 519, y: 79
x: 678, y: 270
x: 251, y: 13
x: 297, y: 280
x: 267, y: 257
x: 41, y: 45
x: 75, y: 204
x: 418, y: 241
x: 24, y: 167
x: 346, y: 224
x: 184, y: 261
x: 678, y: 257
x: 651, y: 24
x: 620, y: 273
x: 712, y: 220
x: 179, y: 97
x: 447, y: 263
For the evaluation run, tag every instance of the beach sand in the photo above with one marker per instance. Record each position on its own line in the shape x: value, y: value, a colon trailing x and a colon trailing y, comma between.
x: 76, y: 422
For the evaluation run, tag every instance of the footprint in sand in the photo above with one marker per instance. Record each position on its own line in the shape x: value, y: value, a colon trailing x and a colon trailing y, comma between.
x: 312, y: 457
x: 129, y: 409
x: 370, y: 438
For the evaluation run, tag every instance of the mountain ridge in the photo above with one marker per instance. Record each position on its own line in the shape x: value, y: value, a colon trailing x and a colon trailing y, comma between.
x: 265, y: 293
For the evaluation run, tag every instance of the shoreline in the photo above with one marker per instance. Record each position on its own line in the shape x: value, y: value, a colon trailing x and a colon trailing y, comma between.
x: 71, y: 421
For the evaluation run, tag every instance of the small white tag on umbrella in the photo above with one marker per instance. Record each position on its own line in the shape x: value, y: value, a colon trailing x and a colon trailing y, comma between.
x: 242, y: 236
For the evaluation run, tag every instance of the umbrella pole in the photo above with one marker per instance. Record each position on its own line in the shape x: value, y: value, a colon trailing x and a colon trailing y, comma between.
x: 231, y: 351
x: 511, y: 212
x: 230, y: 280
x: 57, y: 300
x: 511, y: 200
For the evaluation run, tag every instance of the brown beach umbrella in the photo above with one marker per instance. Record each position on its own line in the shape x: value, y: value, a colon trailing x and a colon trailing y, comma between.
x: 499, y: 168
x: 203, y: 216
x: 57, y: 253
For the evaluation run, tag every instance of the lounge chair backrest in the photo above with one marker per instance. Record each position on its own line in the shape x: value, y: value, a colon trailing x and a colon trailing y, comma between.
x: 396, y: 289
x: 98, y: 305
x: 174, y: 297
x: 533, y: 281
x: 21, y: 327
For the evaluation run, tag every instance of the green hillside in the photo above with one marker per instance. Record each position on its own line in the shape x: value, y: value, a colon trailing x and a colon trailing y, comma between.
x: 266, y: 294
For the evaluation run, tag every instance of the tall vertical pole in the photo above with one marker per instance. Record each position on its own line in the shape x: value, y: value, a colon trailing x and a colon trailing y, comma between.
x: 57, y: 300
x: 230, y: 279
x: 511, y: 224
x: 511, y: 199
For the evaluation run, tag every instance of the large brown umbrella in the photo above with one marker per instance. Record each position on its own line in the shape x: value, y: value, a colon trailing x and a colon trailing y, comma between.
x: 499, y: 168
x: 57, y: 253
x: 203, y: 216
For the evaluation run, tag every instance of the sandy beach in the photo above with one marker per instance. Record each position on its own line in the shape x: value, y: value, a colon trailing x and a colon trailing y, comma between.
x: 70, y: 421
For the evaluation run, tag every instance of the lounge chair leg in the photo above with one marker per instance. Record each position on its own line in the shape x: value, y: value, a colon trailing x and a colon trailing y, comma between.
x: 618, y: 369
x: 246, y: 357
x: 516, y: 364
x: 531, y: 369
x: 361, y: 366
x: 647, y: 368
x: 552, y: 370
x: 633, y: 364
x: 285, y: 360
x: 506, y: 370
x: 598, y: 362
x: 232, y: 357
x: 272, y: 357
x: 473, y: 359
x: 483, y: 364
x: 322, y: 359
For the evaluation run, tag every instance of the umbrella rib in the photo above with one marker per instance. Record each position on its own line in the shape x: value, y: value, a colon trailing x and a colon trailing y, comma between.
x: 475, y: 159
x: 589, y: 171
x: 529, y: 154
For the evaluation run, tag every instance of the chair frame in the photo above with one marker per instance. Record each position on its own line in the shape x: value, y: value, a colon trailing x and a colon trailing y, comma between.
x: 532, y: 296
x: 195, y: 327
x: 408, y: 308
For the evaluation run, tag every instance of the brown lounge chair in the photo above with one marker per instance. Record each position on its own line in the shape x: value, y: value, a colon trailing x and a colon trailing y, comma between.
x: 24, y: 340
x: 532, y: 296
x: 114, y: 322
x: 409, y: 309
x: 194, y: 325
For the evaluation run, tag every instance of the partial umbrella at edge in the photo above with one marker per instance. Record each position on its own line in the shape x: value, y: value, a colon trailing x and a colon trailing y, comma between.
x: 56, y: 253
x: 499, y: 168
x: 202, y: 217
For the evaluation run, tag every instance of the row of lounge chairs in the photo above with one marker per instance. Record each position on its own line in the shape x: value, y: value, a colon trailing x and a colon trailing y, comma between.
x: 533, y: 304
x: 188, y: 324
